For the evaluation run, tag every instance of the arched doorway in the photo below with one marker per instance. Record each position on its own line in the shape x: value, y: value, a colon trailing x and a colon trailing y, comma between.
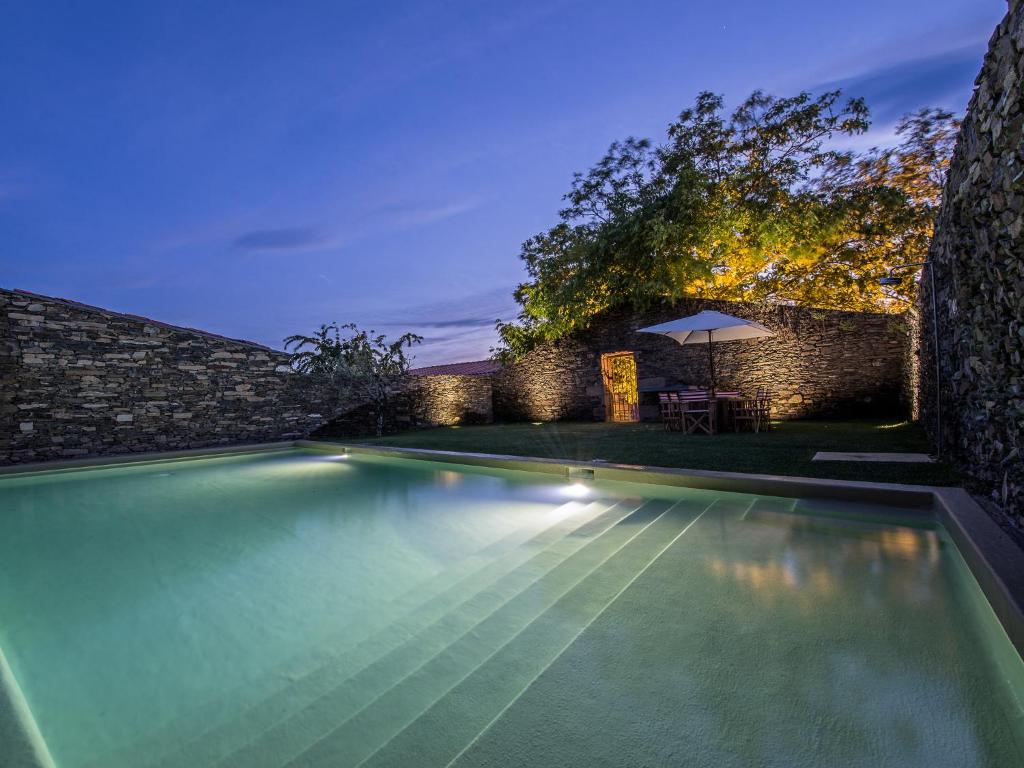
x: 621, y: 401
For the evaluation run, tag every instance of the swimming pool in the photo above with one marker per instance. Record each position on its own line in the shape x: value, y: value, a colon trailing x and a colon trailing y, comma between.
x: 299, y: 608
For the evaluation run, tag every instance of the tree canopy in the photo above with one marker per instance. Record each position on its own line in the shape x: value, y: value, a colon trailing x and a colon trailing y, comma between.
x: 756, y: 205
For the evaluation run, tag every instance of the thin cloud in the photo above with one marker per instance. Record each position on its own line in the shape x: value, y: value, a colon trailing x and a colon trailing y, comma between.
x: 286, y: 239
x: 476, y: 310
x: 404, y: 215
x: 943, y: 79
x: 454, y: 330
x: 462, y: 322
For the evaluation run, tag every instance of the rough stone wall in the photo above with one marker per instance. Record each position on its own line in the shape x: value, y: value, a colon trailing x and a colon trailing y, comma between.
x: 978, y: 260
x: 82, y: 381
x: 820, y: 363
x: 10, y: 360
x: 447, y: 400
x: 419, y: 401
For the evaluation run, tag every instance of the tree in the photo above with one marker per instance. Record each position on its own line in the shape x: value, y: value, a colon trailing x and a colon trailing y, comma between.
x: 364, y: 368
x: 873, y: 211
x: 758, y: 205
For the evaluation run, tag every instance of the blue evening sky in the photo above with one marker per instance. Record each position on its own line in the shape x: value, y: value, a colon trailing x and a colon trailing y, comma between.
x: 257, y: 168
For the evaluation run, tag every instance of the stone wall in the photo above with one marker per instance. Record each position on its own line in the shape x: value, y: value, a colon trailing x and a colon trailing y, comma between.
x: 821, y: 363
x: 978, y: 260
x: 81, y: 381
x: 447, y: 400
x: 419, y: 401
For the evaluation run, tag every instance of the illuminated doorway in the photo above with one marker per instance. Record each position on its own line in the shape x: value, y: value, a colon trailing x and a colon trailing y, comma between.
x: 618, y: 371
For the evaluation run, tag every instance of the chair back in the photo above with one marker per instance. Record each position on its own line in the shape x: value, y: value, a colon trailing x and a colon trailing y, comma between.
x: 695, y: 394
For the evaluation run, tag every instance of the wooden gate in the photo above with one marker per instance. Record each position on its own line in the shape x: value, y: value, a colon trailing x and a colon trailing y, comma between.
x: 621, y: 401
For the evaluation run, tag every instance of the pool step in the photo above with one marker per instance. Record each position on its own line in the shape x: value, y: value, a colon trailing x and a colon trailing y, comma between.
x: 444, y: 730
x: 493, y: 615
x: 579, y: 524
x: 164, y: 747
x: 566, y: 518
x: 503, y: 652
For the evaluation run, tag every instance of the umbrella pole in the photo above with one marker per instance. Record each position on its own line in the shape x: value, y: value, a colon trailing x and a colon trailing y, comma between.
x: 711, y: 361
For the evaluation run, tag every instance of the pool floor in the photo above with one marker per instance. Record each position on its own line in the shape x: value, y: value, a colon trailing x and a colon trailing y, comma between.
x: 303, y: 609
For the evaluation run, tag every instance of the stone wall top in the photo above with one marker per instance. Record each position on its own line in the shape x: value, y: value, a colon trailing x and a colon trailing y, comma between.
x: 128, y: 316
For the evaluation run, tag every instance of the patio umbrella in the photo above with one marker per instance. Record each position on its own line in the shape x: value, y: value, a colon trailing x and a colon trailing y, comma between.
x: 707, y: 327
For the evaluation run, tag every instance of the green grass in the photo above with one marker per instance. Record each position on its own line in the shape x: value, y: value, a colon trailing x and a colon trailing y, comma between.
x: 786, y: 450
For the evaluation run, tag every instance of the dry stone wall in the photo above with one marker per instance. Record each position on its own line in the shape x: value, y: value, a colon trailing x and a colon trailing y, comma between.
x: 820, y: 363
x: 81, y: 381
x: 420, y: 401
x: 447, y: 400
x: 978, y: 260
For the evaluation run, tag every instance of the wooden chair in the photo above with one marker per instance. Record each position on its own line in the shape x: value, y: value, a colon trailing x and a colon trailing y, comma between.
x: 763, y: 406
x: 698, y: 413
x: 671, y: 416
x: 745, y: 415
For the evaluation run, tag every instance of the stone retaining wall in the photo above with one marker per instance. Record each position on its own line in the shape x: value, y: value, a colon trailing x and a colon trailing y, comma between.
x: 821, y: 363
x: 420, y: 401
x: 978, y: 260
x: 447, y: 400
x: 80, y: 381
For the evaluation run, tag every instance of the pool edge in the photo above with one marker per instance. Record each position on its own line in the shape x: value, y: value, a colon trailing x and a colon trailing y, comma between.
x: 919, y: 497
x: 148, y: 457
x: 996, y: 561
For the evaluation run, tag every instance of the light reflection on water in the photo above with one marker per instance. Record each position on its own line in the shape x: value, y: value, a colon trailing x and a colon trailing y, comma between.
x: 909, y: 555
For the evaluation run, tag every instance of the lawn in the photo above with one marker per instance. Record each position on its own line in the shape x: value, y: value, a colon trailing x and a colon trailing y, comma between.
x: 786, y: 450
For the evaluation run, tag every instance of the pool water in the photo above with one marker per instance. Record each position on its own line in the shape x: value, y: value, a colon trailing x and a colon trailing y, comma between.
x: 296, y: 608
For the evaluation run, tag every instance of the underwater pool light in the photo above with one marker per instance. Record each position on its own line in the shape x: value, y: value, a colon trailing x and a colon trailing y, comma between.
x: 576, y: 490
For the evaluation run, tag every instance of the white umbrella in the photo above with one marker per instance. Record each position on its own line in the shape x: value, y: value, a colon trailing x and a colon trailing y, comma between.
x: 707, y: 327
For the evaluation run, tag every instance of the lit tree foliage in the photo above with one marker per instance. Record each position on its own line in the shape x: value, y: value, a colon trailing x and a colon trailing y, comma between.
x: 362, y: 366
x: 758, y: 205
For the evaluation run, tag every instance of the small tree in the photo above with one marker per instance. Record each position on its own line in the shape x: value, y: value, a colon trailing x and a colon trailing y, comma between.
x: 364, y: 367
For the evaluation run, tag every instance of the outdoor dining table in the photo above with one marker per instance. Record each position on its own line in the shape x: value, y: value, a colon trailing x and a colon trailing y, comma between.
x: 721, y: 407
x: 720, y: 404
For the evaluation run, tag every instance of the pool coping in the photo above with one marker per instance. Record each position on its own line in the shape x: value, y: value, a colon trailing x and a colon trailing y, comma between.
x: 148, y: 457
x: 996, y: 561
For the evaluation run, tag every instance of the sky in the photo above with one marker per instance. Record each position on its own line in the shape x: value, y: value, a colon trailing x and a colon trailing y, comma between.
x: 256, y: 169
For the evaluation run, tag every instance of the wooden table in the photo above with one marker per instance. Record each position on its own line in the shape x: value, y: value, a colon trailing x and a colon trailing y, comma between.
x: 719, y: 406
x: 720, y: 410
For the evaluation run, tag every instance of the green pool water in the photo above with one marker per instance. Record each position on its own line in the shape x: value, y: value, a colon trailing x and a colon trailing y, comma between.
x: 304, y: 609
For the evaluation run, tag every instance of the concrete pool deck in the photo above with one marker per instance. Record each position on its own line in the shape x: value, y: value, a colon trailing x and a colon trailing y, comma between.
x: 874, y: 456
